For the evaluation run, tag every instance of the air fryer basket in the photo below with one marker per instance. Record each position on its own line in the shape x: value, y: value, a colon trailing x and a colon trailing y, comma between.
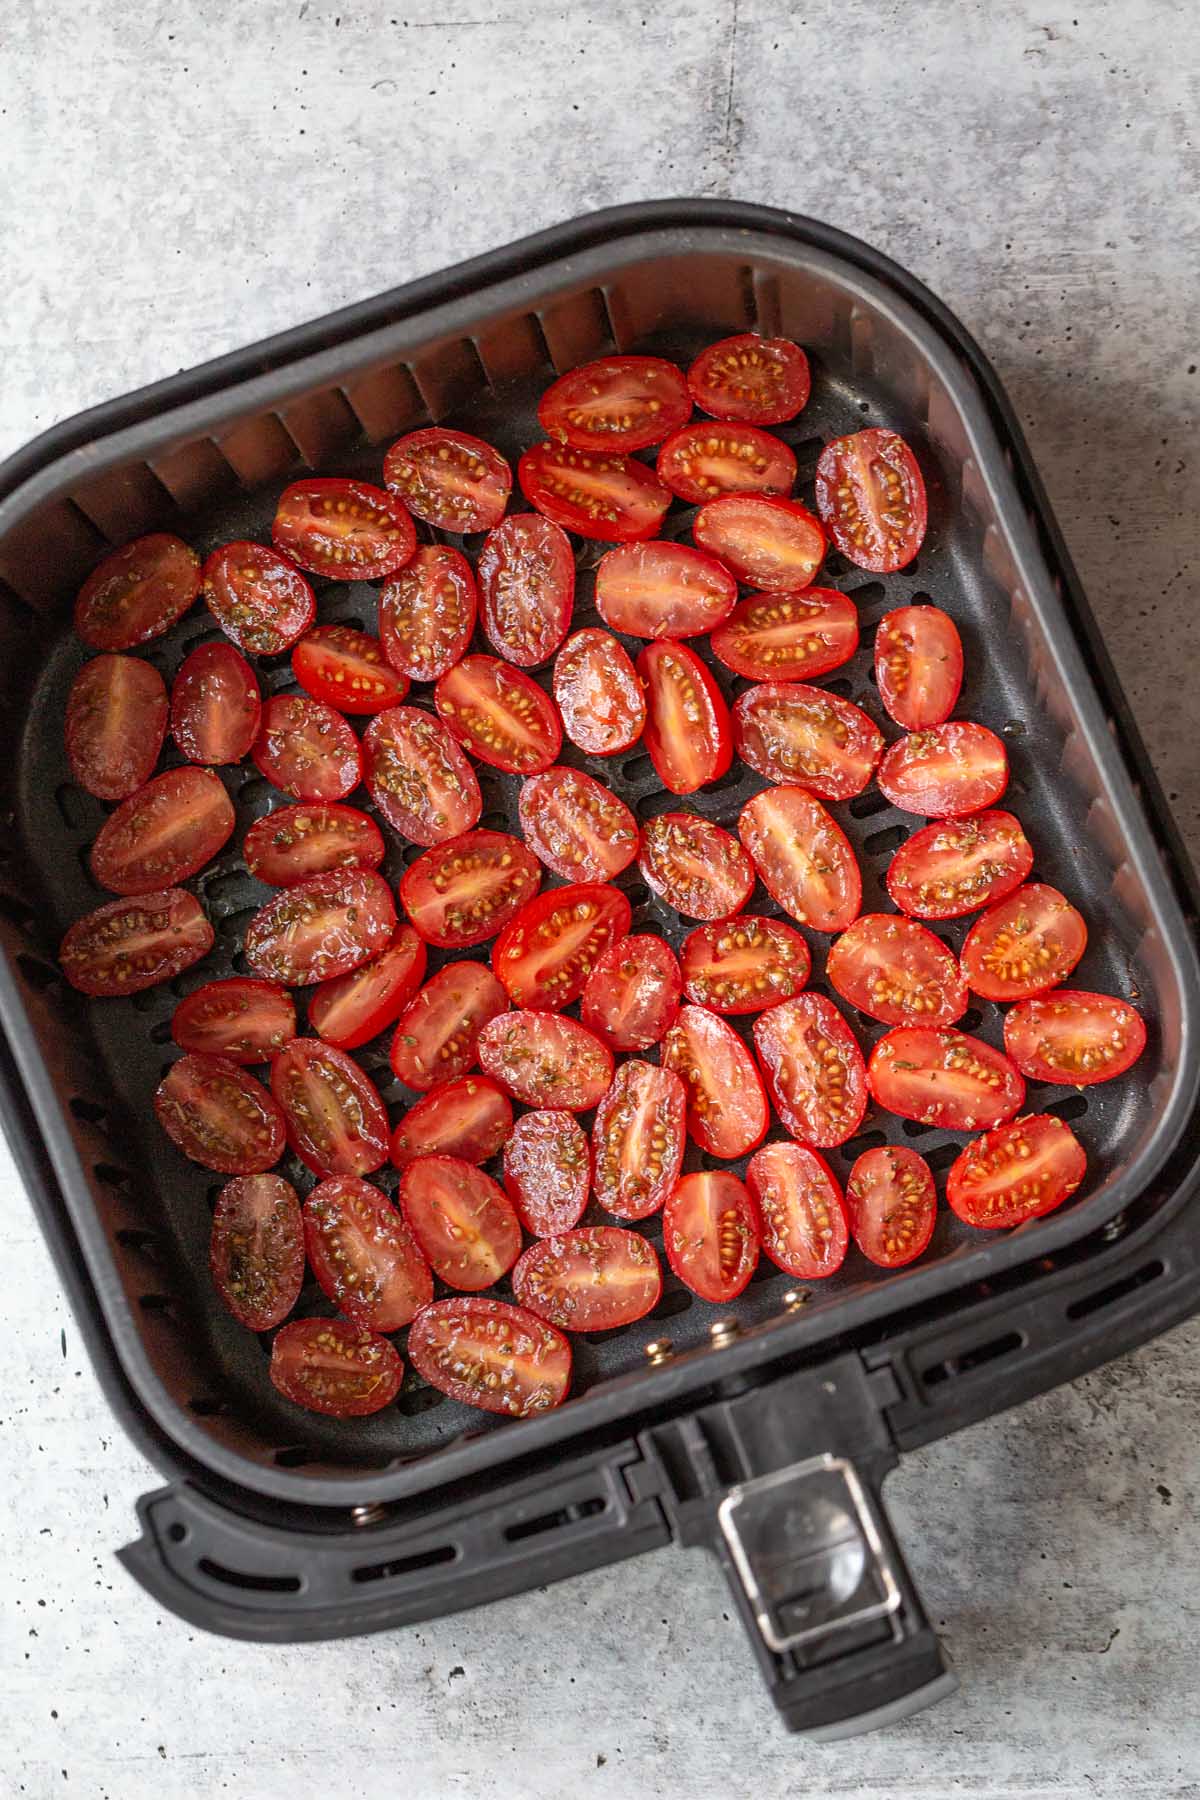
x: 207, y: 455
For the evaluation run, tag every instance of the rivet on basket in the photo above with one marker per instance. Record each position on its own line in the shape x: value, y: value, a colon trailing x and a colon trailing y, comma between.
x: 658, y: 1350
x: 370, y: 1514
x: 724, y: 1331
x: 795, y: 1298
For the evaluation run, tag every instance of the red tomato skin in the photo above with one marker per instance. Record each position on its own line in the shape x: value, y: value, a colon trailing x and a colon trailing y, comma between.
x: 258, y: 597
x: 767, y: 1179
x: 863, y: 962
x: 1022, y: 1141
x: 571, y: 1065
x: 659, y: 395
x: 576, y: 826
x: 548, y: 1171
x: 828, y: 1120
x: 404, y: 753
x: 324, y: 551
x: 527, y: 587
x: 842, y: 465
x: 464, y: 1002
x: 475, y: 506
x: 429, y: 888
x: 351, y: 1009
x: 730, y: 1239
x: 817, y: 632
x: 137, y: 592
x: 723, y: 376
x: 662, y: 590
x: 837, y: 766
x: 216, y: 708
x: 915, y: 1049
x: 541, y: 1279
x: 781, y: 816
x: 672, y: 843
x: 710, y: 947
x: 755, y: 462
x: 320, y: 662
x: 598, y: 694
x: 630, y: 506
x: 902, y: 780
x: 219, y: 1019
x: 427, y: 1187
x: 469, y: 1118
x: 332, y: 764
x: 727, y: 1113
x: 651, y: 1104
x: 1024, y: 945
x: 908, y: 1191
x: 115, y: 724
x: 435, y: 592
x: 932, y: 893
x: 256, y: 1252
x: 687, y: 731
x: 459, y: 696
x: 766, y: 541
x: 174, y: 933
x: 142, y: 848
x: 331, y: 1366
x: 925, y: 639
x: 292, y: 843
x: 344, y: 943
x: 631, y: 998
x: 389, y: 1294
x: 1115, y: 1029
x: 343, y: 1083
x: 601, y: 912
x: 187, y: 1104
x: 514, y: 1340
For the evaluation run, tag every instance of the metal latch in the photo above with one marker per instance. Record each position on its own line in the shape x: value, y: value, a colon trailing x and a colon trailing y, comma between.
x: 805, y: 1543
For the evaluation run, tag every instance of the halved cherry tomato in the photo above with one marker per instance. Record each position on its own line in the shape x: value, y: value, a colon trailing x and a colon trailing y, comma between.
x: 219, y: 1116
x: 547, y: 1171
x: 116, y: 722
x: 1018, y: 1171
x: 364, y: 1255
x: 437, y: 1033
x: 1024, y: 944
x: 577, y: 827
x: 616, y: 403
x: 710, y: 1234
x: 418, y: 777
x: 258, y: 598
x: 788, y: 637
x: 793, y: 733
x: 897, y: 972
x: 614, y: 498
x: 892, y: 1203
x: 137, y: 592
x: 527, y: 585
x: 918, y: 665
x: 694, y: 866
x: 763, y: 539
x: 500, y: 714
x: 814, y: 1069
x: 944, y: 1078
x: 469, y: 1118
x: 245, y: 1020
x: 871, y: 496
x: 488, y: 1354
x: 216, y: 708
x: 335, y: 1120
x: 352, y: 1009
x: 545, y: 955
x: 462, y: 1219
x: 427, y: 612
x: 307, y: 750
x: 321, y: 927
x: 802, y: 1214
x: 744, y: 965
x: 593, y: 1279
x: 544, y: 1059
x: 347, y: 670
x: 803, y: 857
x: 727, y: 1108
x: 687, y: 721
x: 461, y: 892
x: 331, y: 1366
x: 632, y: 993
x: 946, y: 771
x: 638, y: 1139
x: 1073, y: 1037
x: 127, y: 945
x: 162, y: 834
x: 256, y: 1253
x: 761, y: 380
x: 294, y: 842
x: 662, y: 590
x: 343, y: 530
x: 955, y: 866
x: 598, y: 694
x: 701, y: 461
x: 449, y: 478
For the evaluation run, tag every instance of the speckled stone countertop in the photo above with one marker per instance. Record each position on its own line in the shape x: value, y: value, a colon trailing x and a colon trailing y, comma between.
x: 179, y: 179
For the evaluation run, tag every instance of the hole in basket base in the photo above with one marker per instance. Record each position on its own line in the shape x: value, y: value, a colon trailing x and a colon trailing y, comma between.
x: 246, y: 1578
x: 1116, y: 1290
x: 553, y: 1521
x: 419, y: 1400
x: 974, y: 1358
x: 1072, y: 1107
x: 406, y: 1565
x: 177, y: 1532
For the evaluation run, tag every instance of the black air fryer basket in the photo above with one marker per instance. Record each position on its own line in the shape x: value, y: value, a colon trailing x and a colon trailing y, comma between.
x: 763, y: 1431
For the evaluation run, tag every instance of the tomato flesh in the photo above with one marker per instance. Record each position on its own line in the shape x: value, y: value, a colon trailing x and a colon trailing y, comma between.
x: 258, y: 598
x: 335, y: 1120
x: 726, y: 1106
x: 115, y: 725
x: 702, y: 461
x: 744, y: 965
x: 918, y: 666
x: 687, y: 728
x: 897, y: 972
x: 469, y: 1118
x: 763, y: 539
x: 1073, y: 1037
x: 1020, y: 1170
x: 814, y: 1069
x: 543, y: 1059
x: 450, y: 479
x: 598, y: 694
x: 499, y: 714
x: 352, y: 1009
x: 219, y: 1116
x: 638, y: 1140
x: 137, y: 592
x: 485, y: 1353
x: 331, y: 1366
x: 462, y: 1219
x: 548, y: 1171
x: 946, y: 771
x: 418, y: 777
x: 788, y: 637
x: 576, y: 826
x: 710, y: 1234
x: 427, y: 612
x: 632, y: 994
x: 803, y: 857
x: 256, y: 1253
x: 944, y: 1078
x: 614, y: 498
x: 343, y: 530
x: 461, y: 892
x: 306, y: 749
x: 955, y: 866
x: 762, y: 381
x: 793, y: 733
x: 165, y: 832
x: 322, y: 927
x: 892, y: 1203
x: 662, y: 590
x: 616, y: 403
x: 527, y: 585
x: 871, y: 496
x: 544, y: 956
x: 293, y: 842
x: 801, y: 1210
x: 216, y: 708
x: 131, y: 944
x: 1024, y: 944
x: 593, y: 1279
x: 245, y: 1020
x: 437, y: 1034
x: 346, y: 669
x: 363, y: 1254
x: 694, y: 866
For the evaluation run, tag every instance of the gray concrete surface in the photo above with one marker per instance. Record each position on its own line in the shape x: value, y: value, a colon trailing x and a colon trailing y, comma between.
x: 178, y: 178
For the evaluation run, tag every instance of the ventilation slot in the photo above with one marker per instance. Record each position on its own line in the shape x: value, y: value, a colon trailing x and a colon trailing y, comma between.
x: 243, y: 1578
x: 89, y: 1110
x: 566, y: 1515
x: 973, y: 1359
x: 42, y: 976
x: 1073, y: 1107
x: 863, y: 806
x: 406, y: 1565
x: 882, y: 843
x: 1117, y: 1290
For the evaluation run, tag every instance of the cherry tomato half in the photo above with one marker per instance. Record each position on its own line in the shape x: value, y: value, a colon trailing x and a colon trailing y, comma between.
x: 802, y: 1214
x: 527, y: 585
x: 744, y: 965
x: 632, y: 993
x: 944, y: 1078
x: 321, y: 927
x: 165, y: 832
x: 219, y: 1116
x: 331, y: 1366
x: 918, y: 665
x: 436, y: 1034
x: 1074, y: 1038
x: 946, y: 771
x: 576, y: 826
x: 306, y: 750
x: 130, y: 944
x: 710, y: 1234
x: 763, y: 539
x: 294, y: 842
x: 545, y: 955
x: 469, y: 1118
x: 662, y: 590
x: 245, y: 1020
x: 547, y: 1171
x: 638, y: 1139
x: 871, y: 496
x: 343, y: 530
x: 1018, y: 1171
x: 488, y: 1354
x: 258, y: 598
x: 364, y: 1255
x: 803, y: 857
x: 614, y: 498
x: 346, y: 669
x: 897, y: 972
x: 137, y: 592
x: 687, y: 728
x: 462, y: 1219
x: 727, y: 1108
x: 794, y: 733
x: 788, y: 637
x: 702, y: 461
x: 892, y: 1203
x: 449, y: 478
x: 760, y: 380
x: 544, y: 1059
x: 694, y: 866
x: 598, y: 694
x: 461, y: 892
x: 352, y: 1009
x: 499, y: 714
x: 955, y: 866
x: 1024, y: 944
x: 427, y: 612
x: 418, y: 777
x: 216, y: 708
x: 593, y: 1279
x: 335, y: 1120
x: 115, y: 725
x: 256, y: 1253
x: 814, y: 1069
x: 616, y: 403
